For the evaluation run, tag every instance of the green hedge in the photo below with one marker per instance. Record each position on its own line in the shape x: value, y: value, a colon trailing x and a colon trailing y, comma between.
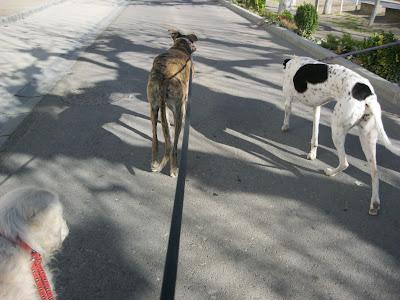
x: 306, y: 19
x: 384, y: 62
x: 257, y: 5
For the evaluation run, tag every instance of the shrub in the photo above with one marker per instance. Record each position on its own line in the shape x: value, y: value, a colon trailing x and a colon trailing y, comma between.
x: 288, y: 24
x: 257, y: 5
x: 271, y: 16
x: 384, y: 62
x: 260, y: 5
x: 349, y: 44
x: 287, y: 15
x: 306, y: 19
x: 332, y: 42
x: 286, y: 20
x: 342, y: 44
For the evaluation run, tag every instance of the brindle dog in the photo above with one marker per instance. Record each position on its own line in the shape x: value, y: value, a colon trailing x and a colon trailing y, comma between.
x: 168, y: 87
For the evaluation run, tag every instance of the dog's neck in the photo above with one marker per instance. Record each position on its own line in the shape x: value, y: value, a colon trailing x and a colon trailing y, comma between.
x: 185, y: 50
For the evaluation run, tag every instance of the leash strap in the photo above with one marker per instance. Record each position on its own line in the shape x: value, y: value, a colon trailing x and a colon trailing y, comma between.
x: 171, y: 261
x: 360, y: 51
x: 42, y: 284
x: 38, y: 273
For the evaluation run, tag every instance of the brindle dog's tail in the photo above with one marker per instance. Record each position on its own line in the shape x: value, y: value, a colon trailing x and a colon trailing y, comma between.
x: 164, y: 123
x: 163, y: 102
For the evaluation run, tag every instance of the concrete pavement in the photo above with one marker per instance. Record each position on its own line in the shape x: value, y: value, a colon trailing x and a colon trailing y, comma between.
x: 11, y: 7
x: 39, y: 50
x: 17, y: 10
x: 260, y: 221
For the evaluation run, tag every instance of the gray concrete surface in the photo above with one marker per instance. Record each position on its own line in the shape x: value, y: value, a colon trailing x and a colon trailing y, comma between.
x: 40, y: 50
x: 260, y: 221
x: 17, y: 10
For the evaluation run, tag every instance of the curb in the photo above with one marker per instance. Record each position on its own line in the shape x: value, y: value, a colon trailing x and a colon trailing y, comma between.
x: 26, y: 13
x: 385, y: 89
x: 29, y: 92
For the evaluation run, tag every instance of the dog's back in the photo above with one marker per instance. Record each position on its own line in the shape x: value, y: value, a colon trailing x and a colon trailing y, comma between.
x: 314, y: 83
x: 170, y: 71
x: 168, y: 65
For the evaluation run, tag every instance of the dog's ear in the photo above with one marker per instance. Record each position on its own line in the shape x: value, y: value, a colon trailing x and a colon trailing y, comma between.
x: 192, y: 37
x: 175, y: 34
x: 285, y: 62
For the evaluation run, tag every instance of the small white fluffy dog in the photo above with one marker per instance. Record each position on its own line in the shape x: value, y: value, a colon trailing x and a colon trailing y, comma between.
x: 34, y: 216
x: 314, y: 83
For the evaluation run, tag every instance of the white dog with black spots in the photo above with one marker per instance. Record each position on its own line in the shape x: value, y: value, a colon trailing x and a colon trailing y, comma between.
x: 314, y: 83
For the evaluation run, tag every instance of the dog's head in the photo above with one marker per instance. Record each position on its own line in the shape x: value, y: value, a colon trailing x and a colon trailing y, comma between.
x: 184, y: 42
x: 36, y: 217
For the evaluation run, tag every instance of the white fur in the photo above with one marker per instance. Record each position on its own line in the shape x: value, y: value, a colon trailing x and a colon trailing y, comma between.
x: 35, y: 216
x: 348, y: 113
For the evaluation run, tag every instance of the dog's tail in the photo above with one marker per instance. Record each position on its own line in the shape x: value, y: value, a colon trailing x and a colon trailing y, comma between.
x: 376, y: 111
x: 163, y: 105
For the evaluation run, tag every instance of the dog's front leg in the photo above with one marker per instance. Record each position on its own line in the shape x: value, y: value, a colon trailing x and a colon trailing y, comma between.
x: 288, y: 109
x: 314, y: 139
x: 368, y: 139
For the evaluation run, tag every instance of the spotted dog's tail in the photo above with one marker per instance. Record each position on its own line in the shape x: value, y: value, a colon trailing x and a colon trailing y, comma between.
x: 376, y: 111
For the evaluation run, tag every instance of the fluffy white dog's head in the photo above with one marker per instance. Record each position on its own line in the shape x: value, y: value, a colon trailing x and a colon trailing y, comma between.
x: 34, y: 216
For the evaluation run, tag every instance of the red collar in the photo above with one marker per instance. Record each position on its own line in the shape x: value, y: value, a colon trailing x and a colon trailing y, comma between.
x: 39, y: 275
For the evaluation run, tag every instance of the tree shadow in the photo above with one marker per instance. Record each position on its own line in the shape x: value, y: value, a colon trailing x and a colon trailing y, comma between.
x: 94, y: 254
x: 101, y: 122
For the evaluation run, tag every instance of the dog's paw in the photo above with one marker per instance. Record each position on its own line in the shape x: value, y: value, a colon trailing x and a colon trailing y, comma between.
x: 311, y: 155
x: 285, y: 127
x: 155, y: 166
x: 173, y: 173
x: 330, y: 172
x: 374, y: 210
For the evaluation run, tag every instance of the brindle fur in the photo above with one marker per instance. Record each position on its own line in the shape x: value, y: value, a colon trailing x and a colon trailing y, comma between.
x: 168, y: 87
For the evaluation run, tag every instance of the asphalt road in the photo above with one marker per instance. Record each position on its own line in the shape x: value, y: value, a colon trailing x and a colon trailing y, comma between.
x: 260, y: 221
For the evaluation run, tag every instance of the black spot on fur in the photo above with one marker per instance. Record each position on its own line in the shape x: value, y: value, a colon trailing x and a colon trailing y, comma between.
x: 310, y: 73
x: 285, y: 62
x: 361, y: 91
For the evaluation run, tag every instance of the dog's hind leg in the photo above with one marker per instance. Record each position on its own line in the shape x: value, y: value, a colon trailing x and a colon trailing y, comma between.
x: 338, y: 136
x: 314, y: 139
x: 368, y: 139
x: 167, y: 138
x: 288, y: 110
x: 178, y: 119
x: 154, y: 147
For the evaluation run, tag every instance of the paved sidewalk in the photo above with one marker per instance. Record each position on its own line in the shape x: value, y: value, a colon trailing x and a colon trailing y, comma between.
x: 11, y: 7
x: 12, y: 11
x: 38, y: 51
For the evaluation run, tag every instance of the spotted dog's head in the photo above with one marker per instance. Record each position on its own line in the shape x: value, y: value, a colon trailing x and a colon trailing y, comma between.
x: 184, y: 42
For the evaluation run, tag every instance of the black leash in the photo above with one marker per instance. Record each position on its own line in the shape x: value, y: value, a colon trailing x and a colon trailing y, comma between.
x: 360, y: 51
x: 171, y: 261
